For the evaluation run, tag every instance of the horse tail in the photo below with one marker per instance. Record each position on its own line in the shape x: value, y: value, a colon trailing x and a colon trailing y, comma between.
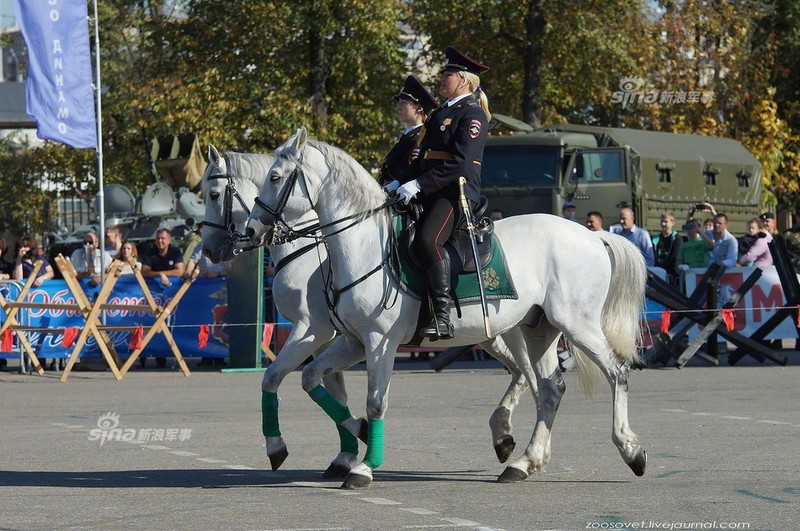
x: 621, y: 310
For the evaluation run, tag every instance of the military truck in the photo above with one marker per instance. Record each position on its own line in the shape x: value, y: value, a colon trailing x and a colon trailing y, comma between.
x: 605, y: 169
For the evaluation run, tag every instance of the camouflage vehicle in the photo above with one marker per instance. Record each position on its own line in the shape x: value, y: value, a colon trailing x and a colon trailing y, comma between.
x: 605, y: 169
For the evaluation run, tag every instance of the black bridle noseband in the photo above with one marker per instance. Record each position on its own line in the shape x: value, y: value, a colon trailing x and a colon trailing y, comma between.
x: 281, y: 231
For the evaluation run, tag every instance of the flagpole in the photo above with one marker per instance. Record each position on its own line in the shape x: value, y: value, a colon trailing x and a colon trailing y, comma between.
x: 99, y: 120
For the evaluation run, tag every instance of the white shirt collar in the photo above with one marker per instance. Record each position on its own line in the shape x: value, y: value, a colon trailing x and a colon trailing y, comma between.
x: 412, y: 128
x: 455, y: 100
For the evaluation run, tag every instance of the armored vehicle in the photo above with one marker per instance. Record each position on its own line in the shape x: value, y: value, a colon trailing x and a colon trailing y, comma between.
x: 605, y: 169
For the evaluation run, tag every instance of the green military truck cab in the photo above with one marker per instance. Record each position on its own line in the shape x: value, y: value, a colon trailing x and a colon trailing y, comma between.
x: 605, y: 169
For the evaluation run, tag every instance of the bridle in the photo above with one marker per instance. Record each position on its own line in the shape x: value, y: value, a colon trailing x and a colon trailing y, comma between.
x: 282, y: 232
x: 227, y: 225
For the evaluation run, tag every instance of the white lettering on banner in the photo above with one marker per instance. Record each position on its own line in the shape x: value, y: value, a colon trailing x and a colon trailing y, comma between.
x: 756, y: 307
x: 58, y: 65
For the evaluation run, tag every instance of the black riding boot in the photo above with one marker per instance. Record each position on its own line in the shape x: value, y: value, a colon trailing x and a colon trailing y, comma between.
x: 438, y: 277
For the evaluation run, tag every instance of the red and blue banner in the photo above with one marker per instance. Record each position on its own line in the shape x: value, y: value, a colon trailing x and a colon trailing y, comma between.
x: 59, y: 77
x: 204, y: 303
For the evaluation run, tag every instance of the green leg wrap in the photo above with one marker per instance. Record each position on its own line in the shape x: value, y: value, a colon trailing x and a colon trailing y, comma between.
x: 329, y: 405
x: 269, y: 414
x: 347, y: 441
x: 374, y: 457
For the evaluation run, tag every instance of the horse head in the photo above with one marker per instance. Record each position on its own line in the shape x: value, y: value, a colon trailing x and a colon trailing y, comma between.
x: 229, y: 185
x: 286, y: 194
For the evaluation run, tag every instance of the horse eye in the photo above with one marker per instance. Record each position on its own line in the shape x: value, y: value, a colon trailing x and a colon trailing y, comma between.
x: 274, y: 176
x: 214, y: 196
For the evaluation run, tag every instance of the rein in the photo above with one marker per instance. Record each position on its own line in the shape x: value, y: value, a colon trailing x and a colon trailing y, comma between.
x: 286, y: 233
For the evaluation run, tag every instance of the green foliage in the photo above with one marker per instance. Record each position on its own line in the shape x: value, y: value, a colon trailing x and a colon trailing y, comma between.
x: 245, y: 75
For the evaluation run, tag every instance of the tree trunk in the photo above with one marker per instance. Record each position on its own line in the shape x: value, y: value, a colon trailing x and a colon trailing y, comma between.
x: 318, y: 76
x: 532, y: 64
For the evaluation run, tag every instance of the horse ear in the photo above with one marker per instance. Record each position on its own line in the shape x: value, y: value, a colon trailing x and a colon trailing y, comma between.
x: 299, y: 140
x: 302, y: 134
x: 213, y: 154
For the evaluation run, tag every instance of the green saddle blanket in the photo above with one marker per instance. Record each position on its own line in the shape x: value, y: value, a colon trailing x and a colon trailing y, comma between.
x: 497, y: 283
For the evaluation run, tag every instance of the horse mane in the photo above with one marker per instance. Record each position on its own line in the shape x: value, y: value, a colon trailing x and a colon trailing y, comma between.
x: 358, y: 185
x: 251, y: 166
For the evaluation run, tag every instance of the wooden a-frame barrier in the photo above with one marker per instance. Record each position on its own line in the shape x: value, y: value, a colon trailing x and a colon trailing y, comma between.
x: 90, y: 311
x: 10, y: 309
x: 91, y: 314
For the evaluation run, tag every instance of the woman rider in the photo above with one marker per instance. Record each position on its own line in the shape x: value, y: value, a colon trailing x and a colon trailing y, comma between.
x: 451, y: 145
x: 414, y: 103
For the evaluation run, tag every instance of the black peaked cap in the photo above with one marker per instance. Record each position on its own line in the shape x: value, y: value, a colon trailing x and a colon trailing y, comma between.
x: 414, y: 91
x: 457, y: 60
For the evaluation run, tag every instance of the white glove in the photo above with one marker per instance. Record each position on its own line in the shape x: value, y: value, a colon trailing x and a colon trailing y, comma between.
x: 392, y: 186
x: 683, y: 267
x: 408, y: 191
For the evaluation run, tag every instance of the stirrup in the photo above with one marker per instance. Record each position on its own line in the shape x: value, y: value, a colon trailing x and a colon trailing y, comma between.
x: 437, y: 330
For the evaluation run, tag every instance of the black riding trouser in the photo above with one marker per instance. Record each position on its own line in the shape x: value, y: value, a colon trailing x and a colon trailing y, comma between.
x: 439, y: 219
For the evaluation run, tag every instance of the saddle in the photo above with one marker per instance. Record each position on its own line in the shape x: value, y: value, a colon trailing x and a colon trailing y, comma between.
x: 458, y: 247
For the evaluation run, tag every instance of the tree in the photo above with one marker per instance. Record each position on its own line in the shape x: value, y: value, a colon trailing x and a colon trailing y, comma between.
x: 242, y: 74
x: 548, y: 60
x: 724, y: 49
x: 259, y: 70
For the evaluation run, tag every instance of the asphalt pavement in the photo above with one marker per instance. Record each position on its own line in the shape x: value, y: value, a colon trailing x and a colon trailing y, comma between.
x: 188, y: 453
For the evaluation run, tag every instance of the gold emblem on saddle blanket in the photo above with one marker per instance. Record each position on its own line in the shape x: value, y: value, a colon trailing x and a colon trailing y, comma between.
x: 490, y: 278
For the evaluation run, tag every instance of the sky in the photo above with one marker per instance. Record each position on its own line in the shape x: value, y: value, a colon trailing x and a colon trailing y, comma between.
x: 6, y: 14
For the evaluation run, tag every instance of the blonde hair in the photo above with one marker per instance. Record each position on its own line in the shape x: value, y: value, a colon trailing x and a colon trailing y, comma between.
x: 474, y: 83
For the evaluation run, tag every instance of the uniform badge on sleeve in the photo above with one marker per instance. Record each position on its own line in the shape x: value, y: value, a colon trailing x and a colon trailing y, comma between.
x: 474, y: 128
x: 413, y: 155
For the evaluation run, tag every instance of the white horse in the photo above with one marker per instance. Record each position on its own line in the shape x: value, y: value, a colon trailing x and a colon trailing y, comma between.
x: 590, y: 286
x: 229, y: 185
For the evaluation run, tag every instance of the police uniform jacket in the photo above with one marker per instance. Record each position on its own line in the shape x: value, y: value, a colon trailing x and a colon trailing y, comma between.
x: 451, y: 146
x: 400, y: 156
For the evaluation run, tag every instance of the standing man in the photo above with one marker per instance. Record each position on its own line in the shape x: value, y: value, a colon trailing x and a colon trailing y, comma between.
x: 666, y: 245
x: 594, y: 221
x: 636, y: 235
x: 164, y: 260
x: 113, y: 239
x: 769, y: 222
x: 723, y: 245
x: 568, y: 211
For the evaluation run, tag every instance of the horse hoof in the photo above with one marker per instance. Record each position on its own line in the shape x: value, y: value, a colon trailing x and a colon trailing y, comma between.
x: 362, y: 430
x: 356, y: 481
x: 277, y: 459
x: 505, y: 448
x: 512, y: 475
x: 639, y: 463
x: 336, y: 470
